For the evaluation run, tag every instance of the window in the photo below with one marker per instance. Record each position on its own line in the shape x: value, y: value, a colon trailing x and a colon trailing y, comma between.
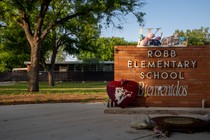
x: 63, y: 69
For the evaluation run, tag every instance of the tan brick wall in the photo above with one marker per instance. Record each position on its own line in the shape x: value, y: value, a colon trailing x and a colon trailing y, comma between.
x: 196, y: 79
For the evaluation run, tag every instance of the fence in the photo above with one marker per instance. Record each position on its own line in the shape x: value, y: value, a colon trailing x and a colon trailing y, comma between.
x: 59, y: 76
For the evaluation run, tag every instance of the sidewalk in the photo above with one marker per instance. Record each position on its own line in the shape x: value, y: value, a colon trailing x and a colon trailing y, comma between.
x: 81, y: 121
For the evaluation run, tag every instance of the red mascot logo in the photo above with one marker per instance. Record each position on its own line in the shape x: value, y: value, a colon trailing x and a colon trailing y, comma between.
x: 122, y: 92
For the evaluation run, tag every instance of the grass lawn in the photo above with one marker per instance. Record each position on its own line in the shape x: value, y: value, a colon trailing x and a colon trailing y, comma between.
x: 16, y: 93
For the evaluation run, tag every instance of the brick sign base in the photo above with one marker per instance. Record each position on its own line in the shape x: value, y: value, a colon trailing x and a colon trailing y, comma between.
x: 167, y: 76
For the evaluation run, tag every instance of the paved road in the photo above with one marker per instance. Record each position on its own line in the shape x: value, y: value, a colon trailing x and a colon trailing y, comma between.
x: 73, y: 121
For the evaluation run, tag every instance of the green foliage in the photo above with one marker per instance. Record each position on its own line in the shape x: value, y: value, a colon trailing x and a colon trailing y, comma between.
x: 79, y: 32
x: 14, y: 49
x: 4, y: 58
x: 38, y: 17
x: 103, y: 49
x: 196, y: 36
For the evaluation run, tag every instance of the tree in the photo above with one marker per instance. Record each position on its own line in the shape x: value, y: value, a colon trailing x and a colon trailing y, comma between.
x: 14, y: 48
x: 33, y: 17
x: 196, y: 36
x: 71, y: 37
x: 103, y: 49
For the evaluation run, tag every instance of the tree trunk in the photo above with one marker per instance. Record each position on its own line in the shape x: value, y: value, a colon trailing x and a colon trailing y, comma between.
x: 51, y: 81
x: 34, y: 70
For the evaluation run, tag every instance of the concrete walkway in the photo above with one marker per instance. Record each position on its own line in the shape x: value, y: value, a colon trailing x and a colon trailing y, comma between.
x: 73, y: 121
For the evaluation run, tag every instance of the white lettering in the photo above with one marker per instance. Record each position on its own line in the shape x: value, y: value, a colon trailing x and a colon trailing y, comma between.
x: 151, y: 64
x: 162, y: 75
x: 159, y: 64
x: 186, y: 64
x: 130, y: 64
x: 158, y: 53
x: 148, y: 75
x: 165, y: 53
x: 173, y: 75
x: 173, y: 53
x: 181, y: 75
x: 173, y: 64
x: 166, y: 64
x: 179, y: 65
x: 142, y: 75
x: 162, y: 64
x: 136, y: 64
x: 193, y: 63
x: 164, y: 90
x: 150, y: 53
x: 156, y: 75
x: 143, y: 64
x: 141, y: 89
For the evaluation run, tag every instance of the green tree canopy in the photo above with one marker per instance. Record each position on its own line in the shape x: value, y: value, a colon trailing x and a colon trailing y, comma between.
x: 196, y: 36
x: 103, y: 49
x: 35, y: 18
x: 14, y: 48
x: 75, y: 35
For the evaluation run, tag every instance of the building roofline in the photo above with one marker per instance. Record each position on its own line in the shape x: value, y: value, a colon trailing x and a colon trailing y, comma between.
x: 71, y: 62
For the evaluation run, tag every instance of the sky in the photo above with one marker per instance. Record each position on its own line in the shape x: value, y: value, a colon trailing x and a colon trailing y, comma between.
x: 168, y: 15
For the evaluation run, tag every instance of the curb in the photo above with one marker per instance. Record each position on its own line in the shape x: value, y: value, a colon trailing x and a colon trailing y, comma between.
x: 157, y: 110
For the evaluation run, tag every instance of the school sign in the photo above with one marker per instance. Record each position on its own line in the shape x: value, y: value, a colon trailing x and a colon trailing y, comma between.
x: 167, y: 76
